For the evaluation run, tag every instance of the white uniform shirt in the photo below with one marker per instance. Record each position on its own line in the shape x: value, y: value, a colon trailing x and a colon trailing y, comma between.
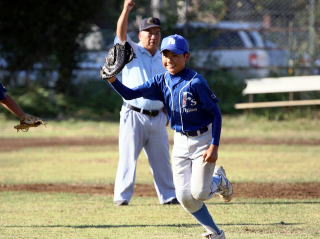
x: 139, y: 70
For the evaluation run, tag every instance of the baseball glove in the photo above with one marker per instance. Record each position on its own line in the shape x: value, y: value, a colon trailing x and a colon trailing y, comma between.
x: 29, y: 121
x: 118, y: 56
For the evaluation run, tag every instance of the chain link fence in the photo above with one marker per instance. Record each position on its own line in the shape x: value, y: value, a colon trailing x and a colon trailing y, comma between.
x: 288, y: 31
x: 290, y: 25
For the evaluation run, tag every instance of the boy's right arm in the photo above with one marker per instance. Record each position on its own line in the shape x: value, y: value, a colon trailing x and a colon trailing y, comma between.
x: 125, y: 92
x: 148, y: 90
x: 122, y: 24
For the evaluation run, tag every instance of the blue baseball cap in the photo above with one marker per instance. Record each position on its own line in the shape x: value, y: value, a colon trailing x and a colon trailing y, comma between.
x: 175, y: 43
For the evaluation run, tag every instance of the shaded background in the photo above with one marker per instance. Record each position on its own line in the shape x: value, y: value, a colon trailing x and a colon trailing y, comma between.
x: 51, y: 52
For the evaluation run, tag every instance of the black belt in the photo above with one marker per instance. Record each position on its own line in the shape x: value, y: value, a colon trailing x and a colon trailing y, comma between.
x: 197, y: 132
x: 151, y: 113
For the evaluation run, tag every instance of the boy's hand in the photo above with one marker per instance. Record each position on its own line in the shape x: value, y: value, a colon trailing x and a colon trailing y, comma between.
x: 112, y: 79
x: 211, y: 155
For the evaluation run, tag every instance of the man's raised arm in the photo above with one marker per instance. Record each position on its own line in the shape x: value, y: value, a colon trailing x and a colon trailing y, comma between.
x: 122, y: 24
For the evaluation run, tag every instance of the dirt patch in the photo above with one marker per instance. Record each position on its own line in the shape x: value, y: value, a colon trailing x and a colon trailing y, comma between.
x: 241, y: 190
x: 244, y: 190
x: 277, y: 190
x: 273, y: 141
x: 11, y: 144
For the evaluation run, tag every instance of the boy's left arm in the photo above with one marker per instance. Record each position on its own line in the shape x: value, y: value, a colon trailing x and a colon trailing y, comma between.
x: 211, y: 155
x: 209, y: 102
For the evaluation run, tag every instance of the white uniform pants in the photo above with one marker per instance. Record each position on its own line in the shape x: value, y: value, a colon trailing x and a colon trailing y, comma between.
x: 192, y: 177
x: 137, y: 132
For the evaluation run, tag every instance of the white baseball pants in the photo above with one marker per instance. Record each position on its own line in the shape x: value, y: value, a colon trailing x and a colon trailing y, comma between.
x: 192, y: 177
x: 137, y: 132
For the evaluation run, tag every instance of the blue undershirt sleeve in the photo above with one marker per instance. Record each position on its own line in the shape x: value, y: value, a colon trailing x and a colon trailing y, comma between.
x: 126, y: 92
x: 216, y: 125
x: 148, y: 90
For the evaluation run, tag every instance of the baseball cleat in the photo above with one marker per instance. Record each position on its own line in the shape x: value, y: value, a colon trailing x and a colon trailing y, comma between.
x: 121, y: 203
x: 214, y: 235
x: 225, y: 189
x: 172, y: 202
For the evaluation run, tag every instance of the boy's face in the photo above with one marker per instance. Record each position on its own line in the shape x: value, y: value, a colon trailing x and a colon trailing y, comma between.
x: 173, y: 62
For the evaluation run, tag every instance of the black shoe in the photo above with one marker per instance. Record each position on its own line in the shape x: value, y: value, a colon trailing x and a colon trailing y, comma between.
x: 121, y: 203
x: 172, y: 202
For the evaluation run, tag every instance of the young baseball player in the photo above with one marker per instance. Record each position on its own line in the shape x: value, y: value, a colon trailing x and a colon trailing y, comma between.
x: 196, y: 120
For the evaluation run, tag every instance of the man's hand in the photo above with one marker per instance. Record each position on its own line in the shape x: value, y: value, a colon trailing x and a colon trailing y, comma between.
x: 211, y: 155
x: 122, y: 24
x: 128, y: 4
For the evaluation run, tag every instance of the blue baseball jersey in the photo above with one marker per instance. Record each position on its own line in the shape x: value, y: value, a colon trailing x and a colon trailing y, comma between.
x: 2, y: 92
x: 187, y: 97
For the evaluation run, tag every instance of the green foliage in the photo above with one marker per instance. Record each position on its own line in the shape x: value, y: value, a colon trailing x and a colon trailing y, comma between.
x: 213, y: 9
x: 227, y: 88
x: 46, y: 33
x: 94, y: 100
x: 40, y: 101
x: 89, y: 100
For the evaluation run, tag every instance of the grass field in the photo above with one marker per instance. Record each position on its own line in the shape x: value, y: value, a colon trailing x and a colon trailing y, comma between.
x: 292, y: 158
x: 26, y: 215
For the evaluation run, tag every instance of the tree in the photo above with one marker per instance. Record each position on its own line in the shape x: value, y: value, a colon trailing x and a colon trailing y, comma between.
x: 45, y: 32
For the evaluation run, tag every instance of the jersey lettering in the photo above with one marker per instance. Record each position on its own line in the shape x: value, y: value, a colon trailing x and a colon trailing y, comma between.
x: 188, y: 102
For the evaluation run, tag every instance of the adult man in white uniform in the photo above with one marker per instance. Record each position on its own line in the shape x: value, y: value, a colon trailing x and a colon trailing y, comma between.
x: 142, y: 122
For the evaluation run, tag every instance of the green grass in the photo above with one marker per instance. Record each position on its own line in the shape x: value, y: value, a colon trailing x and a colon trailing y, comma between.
x: 271, y: 163
x: 59, y: 165
x: 67, y: 128
x: 240, y: 126
x: 43, y: 215
x: 65, y: 215
x: 97, y: 164
x: 83, y: 165
x: 255, y: 127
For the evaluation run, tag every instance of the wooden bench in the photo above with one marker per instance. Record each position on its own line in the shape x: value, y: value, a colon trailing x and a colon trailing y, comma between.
x: 288, y: 85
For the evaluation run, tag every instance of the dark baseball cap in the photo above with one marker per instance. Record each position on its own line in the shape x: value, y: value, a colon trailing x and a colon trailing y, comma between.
x: 149, y: 22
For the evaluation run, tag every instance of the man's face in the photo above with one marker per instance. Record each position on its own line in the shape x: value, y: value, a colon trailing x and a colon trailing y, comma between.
x: 174, y: 63
x: 150, y: 38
